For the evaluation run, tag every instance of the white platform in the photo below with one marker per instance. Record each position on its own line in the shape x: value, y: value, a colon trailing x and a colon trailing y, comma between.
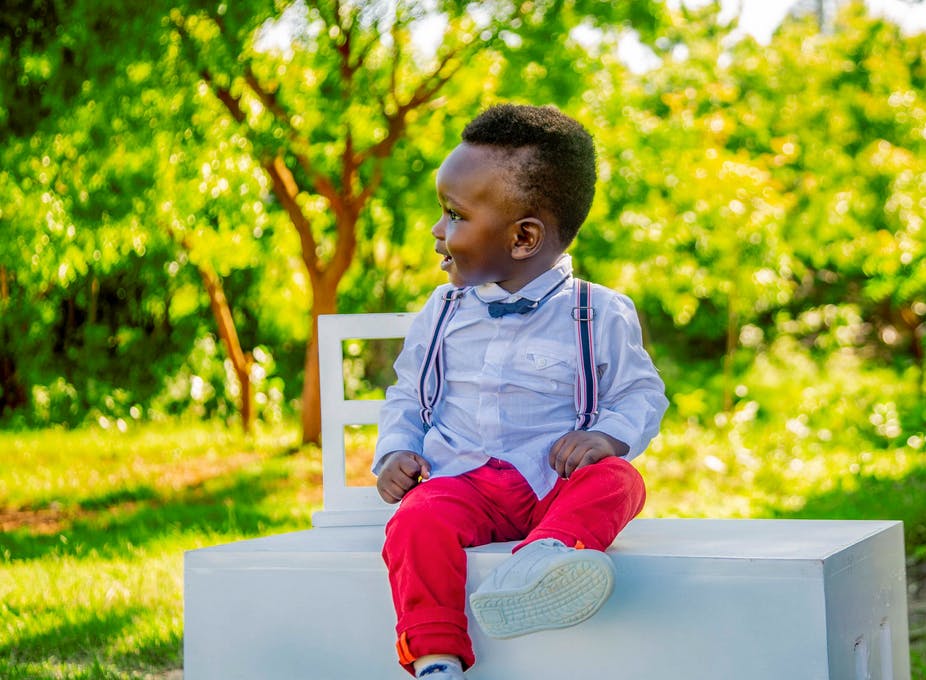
x: 694, y: 600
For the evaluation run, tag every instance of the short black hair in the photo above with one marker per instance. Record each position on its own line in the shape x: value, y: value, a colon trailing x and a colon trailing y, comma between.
x: 558, y: 173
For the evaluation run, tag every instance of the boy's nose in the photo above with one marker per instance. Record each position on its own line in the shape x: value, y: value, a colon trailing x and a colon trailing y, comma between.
x: 437, y: 231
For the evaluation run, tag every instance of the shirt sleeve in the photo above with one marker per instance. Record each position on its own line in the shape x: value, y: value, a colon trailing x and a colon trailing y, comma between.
x: 632, y: 396
x: 400, y: 426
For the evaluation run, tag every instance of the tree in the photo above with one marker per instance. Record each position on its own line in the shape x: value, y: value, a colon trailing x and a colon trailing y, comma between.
x: 200, y: 132
x: 88, y: 272
x: 694, y: 219
x: 751, y: 187
x: 332, y: 152
x: 325, y: 147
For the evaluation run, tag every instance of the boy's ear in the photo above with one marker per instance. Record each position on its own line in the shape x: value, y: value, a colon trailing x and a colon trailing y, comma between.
x: 529, y: 236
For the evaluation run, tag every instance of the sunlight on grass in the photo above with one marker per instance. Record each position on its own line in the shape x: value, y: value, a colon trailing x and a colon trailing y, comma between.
x: 94, y: 530
x: 122, y: 615
x: 693, y: 471
x: 359, y: 447
x: 63, y: 468
x: 112, y: 608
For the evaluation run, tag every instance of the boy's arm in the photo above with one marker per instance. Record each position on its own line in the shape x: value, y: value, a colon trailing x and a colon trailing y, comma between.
x: 400, y: 426
x: 631, y: 399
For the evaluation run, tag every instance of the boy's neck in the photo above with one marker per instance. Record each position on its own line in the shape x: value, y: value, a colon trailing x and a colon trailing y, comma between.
x: 535, y: 267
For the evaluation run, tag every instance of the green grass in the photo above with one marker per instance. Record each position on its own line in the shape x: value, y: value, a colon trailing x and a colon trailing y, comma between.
x: 95, y: 526
x: 94, y: 523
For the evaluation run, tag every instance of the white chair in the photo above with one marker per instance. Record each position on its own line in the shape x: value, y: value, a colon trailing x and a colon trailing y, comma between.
x: 348, y: 505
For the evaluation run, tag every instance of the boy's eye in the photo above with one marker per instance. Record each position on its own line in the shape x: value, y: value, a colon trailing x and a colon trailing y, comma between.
x: 453, y: 215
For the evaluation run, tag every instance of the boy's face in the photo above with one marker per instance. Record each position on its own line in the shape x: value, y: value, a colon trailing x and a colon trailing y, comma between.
x: 478, y: 227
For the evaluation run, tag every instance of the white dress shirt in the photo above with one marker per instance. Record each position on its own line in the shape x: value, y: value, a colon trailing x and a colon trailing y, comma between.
x: 509, y: 389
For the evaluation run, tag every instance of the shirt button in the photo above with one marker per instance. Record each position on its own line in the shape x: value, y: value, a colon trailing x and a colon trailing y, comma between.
x: 541, y: 362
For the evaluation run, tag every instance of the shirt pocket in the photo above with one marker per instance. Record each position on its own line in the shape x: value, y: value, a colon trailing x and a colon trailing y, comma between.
x: 545, y: 367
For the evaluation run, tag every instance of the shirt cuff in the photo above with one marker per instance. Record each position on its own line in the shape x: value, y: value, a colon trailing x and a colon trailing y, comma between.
x: 623, y: 432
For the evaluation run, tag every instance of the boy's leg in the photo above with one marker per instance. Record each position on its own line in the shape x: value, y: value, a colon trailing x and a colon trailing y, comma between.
x: 591, y: 508
x: 425, y: 558
x: 548, y: 583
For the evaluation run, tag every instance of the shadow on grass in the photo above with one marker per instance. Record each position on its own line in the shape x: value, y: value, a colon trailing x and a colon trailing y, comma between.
x: 135, y: 494
x: 152, y: 655
x: 115, y: 522
x: 81, y: 641
x: 79, y: 637
x: 876, y: 498
x: 95, y: 671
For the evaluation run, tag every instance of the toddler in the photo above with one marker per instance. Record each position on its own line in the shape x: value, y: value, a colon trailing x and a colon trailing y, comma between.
x: 522, y: 394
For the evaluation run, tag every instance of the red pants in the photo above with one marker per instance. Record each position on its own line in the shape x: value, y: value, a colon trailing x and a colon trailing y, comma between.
x: 425, y: 540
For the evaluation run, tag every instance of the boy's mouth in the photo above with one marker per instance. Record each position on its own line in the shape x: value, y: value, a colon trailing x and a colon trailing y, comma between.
x: 448, y: 258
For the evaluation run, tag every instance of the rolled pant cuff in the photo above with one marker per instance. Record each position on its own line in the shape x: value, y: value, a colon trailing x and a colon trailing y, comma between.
x: 436, y: 630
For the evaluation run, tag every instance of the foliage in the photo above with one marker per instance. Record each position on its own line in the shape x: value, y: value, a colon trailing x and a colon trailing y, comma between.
x: 205, y: 133
x: 747, y: 186
x: 746, y: 190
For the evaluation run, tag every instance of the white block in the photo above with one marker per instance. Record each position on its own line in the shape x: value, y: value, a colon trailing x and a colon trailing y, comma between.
x: 694, y: 600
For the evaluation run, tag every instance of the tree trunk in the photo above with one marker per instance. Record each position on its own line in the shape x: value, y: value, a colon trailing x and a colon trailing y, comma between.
x: 325, y: 302
x: 241, y: 361
x: 731, y: 342
x: 93, y: 306
x: 12, y: 392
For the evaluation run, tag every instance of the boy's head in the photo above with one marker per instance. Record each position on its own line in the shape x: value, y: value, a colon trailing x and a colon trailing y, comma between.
x: 513, y: 195
x: 551, y: 160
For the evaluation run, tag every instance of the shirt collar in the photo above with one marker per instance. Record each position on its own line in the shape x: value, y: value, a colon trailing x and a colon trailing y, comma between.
x: 534, y: 290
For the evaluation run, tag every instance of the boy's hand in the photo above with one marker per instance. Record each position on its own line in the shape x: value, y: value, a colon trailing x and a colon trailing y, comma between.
x: 579, y: 448
x: 401, y: 472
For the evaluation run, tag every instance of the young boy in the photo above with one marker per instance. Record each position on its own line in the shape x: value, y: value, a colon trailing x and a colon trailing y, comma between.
x: 502, y: 426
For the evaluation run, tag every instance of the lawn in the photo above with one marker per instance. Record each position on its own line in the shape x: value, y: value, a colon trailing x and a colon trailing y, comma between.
x: 94, y: 523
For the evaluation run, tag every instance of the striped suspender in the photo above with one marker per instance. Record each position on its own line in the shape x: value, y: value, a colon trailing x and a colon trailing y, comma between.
x: 587, y: 378
x: 431, y: 374
x: 432, y: 368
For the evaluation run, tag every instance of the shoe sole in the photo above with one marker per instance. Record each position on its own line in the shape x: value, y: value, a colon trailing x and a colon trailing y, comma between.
x: 567, y: 594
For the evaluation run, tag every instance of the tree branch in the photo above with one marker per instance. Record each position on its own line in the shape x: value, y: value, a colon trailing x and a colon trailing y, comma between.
x: 231, y: 102
x: 346, y: 244
x: 268, y: 98
x: 375, y: 180
x: 425, y: 91
x: 286, y: 190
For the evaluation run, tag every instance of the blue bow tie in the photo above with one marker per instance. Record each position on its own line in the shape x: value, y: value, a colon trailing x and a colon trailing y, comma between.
x: 519, y: 306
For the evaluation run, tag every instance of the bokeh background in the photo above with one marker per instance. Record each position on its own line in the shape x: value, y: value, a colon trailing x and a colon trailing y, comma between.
x: 186, y: 186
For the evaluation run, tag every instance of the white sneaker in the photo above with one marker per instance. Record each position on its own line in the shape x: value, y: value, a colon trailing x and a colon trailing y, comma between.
x: 441, y: 671
x: 543, y: 585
